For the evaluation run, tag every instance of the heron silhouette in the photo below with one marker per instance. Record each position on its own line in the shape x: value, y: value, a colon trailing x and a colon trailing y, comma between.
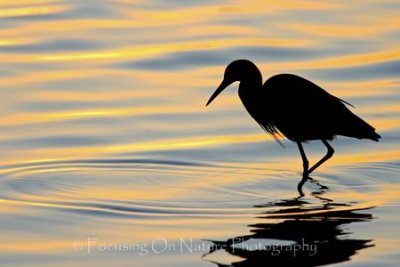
x: 295, y: 107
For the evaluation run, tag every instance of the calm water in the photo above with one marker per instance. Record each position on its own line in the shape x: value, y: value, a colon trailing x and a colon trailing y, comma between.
x: 109, y: 156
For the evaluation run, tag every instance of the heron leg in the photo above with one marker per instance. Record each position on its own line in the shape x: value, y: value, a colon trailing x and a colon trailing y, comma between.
x: 304, y: 158
x: 328, y: 155
x: 305, y: 169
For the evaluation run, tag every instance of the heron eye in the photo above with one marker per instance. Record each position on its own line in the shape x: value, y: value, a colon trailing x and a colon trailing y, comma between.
x: 227, y: 77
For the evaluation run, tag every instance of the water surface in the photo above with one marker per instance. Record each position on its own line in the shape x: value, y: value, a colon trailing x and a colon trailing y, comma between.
x: 109, y: 155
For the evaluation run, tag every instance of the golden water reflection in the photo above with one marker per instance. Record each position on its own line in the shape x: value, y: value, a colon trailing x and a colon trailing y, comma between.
x: 104, y: 131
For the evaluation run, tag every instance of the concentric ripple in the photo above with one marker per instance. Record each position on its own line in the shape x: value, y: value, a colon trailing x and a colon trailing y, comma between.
x: 130, y: 187
x: 149, y: 187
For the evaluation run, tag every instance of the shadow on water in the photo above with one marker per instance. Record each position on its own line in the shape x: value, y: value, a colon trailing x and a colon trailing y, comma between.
x: 299, y: 233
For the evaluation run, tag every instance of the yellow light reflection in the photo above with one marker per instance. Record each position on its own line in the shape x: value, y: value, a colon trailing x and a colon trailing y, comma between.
x: 189, y: 143
x: 30, y: 11
x: 68, y: 115
x: 35, y: 77
x: 154, y: 50
x: 19, y: 41
x: 13, y: 3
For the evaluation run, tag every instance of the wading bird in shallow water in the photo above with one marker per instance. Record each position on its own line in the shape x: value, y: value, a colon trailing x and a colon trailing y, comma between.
x: 295, y: 107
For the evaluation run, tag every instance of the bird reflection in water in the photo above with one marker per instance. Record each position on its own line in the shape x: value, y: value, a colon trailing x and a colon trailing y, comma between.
x: 307, y: 234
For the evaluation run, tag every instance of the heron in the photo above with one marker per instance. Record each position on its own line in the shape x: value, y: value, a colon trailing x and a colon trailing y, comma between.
x: 291, y: 106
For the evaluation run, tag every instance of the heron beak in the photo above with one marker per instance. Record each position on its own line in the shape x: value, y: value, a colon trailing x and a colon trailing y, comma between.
x: 220, y: 88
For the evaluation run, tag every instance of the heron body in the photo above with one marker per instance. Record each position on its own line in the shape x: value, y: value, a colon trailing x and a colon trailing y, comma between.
x: 294, y: 107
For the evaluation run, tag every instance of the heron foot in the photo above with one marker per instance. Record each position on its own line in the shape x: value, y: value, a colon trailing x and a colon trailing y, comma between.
x: 311, y: 179
x: 304, y: 180
x: 300, y: 185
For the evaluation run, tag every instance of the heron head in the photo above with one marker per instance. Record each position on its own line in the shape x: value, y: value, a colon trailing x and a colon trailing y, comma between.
x: 236, y: 71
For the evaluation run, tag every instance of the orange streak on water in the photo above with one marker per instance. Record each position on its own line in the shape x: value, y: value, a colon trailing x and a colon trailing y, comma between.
x: 29, y: 11
x: 16, y: 41
x: 23, y: 3
x: 154, y: 50
x: 36, y: 246
x: 260, y: 6
x: 69, y: 115
x: 336, y: 62
x: 61, y: 96
x: 30, y: 78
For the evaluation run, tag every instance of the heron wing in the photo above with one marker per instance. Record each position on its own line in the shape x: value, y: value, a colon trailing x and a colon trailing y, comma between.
x: 302, y: 110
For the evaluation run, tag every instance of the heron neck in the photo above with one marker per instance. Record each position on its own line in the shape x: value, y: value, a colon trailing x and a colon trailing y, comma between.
x: 250, y: 85
x: 249, y: 91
